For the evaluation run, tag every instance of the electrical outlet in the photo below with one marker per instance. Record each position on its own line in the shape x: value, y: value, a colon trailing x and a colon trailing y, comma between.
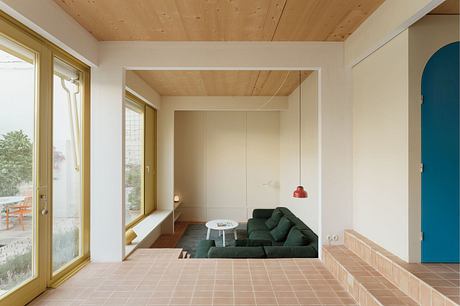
x: 335, y: 237
x: 329, y: 238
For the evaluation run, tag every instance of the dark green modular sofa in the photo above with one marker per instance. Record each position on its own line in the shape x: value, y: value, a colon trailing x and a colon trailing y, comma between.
x: 288, y: 237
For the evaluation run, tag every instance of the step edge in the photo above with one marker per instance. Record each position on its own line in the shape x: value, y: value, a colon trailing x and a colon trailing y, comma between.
x: 388, y: 256
x: 361, y: 295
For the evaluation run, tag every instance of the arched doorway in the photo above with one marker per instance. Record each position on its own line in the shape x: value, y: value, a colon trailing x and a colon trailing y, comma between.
x: 440, y: 156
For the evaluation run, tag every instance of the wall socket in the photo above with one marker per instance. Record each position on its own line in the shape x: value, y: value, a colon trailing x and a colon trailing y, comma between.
x: 333, y: 237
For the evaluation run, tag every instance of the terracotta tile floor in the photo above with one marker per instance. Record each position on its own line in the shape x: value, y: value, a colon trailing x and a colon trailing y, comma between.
x: 374, y: 282
x: 157, y: 277
x: 444, y: 277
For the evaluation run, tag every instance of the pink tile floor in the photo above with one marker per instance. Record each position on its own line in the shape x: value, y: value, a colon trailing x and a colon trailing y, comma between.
x: 158, y: 277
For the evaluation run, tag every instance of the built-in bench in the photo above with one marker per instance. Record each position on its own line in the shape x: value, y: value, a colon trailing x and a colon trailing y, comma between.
x: 149, y: 229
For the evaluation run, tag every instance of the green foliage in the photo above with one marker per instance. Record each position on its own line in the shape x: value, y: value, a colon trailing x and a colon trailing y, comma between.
x: 66, y: 246
x: 15, y: 161
x: 15, y: 270
x: 133, y: 181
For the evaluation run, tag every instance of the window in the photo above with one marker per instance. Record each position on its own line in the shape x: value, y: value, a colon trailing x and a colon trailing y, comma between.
x: 18, y: 215
x: 140, y: 159
x: 134, y: 161
x: 67, y: 178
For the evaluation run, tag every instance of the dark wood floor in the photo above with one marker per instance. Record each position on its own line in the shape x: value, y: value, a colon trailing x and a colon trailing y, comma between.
x: 170, y: 241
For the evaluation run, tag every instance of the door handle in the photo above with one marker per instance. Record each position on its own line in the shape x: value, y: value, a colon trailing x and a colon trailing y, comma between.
x: 44, y: 200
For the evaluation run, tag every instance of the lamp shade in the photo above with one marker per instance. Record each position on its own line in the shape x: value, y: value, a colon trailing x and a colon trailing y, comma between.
x: 300, y: 192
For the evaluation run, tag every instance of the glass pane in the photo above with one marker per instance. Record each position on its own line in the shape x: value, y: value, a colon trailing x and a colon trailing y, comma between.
x: 134, y: 141
x: 67, y: 201
x: 17, y: 199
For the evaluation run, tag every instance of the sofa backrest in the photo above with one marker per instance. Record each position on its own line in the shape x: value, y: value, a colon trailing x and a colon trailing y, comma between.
x: 302, y: 227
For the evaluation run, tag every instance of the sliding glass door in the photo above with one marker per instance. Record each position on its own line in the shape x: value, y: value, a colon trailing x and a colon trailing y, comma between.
x: 67, y: 167
x: 44, y: 166
x: 23, y: 176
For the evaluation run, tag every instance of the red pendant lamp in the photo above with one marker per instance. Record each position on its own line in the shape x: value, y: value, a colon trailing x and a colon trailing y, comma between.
x: 300, y: 192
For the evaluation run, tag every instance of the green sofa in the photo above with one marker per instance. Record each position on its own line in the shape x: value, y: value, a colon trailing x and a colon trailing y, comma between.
x: 289, y: 237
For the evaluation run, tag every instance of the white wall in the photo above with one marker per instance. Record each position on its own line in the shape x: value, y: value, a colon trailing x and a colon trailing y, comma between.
x: 380, y: 147
x: 226, y: 163
x: 387, y: 135
x: 306, y: 209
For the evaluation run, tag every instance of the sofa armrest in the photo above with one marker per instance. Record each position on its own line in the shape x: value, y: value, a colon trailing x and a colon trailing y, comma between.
x: 262, y: 213
x: 236, y: 252
x: 291, y: 252
x: 203, y: 247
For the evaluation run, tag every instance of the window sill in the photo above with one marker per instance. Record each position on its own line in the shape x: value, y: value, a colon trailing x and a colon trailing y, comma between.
x: 145, y: 227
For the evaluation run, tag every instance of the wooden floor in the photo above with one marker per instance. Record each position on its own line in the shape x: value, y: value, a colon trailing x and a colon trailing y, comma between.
x: 170, y: 241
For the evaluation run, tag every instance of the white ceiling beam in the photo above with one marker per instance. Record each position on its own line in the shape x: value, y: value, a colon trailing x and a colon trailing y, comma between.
x: 390, y: 19
x: 47, y: 19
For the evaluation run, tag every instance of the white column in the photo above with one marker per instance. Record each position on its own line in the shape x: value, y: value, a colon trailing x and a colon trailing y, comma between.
x: 107, y: 207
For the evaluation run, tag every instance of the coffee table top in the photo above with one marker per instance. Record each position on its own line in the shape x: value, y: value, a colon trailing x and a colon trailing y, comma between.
x: 221, y: 224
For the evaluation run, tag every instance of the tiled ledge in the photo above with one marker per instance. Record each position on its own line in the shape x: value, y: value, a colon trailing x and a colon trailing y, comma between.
x: 425, y: 284
x: 363, y: 283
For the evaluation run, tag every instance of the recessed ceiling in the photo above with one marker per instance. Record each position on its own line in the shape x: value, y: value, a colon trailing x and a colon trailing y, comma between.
x: 449, y: 7
x: 220, y: 20
x: 223, y: 82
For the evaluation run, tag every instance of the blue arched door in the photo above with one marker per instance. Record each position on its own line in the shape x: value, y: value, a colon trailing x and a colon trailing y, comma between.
x: 440, y: 156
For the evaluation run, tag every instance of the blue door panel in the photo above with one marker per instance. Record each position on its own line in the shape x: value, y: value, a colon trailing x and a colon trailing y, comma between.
x: 440, y: 156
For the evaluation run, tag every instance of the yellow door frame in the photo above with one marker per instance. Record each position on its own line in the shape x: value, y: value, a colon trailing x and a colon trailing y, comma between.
x: 45, y: 52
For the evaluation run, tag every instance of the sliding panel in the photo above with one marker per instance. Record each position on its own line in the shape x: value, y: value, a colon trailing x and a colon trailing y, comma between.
x: 134, y: 162
x: 150, y: 194
x: 18, y: 212
x: 67, y: 166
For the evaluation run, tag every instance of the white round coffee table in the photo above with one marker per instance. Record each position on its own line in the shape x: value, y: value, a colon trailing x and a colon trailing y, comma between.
x: 221, y: 226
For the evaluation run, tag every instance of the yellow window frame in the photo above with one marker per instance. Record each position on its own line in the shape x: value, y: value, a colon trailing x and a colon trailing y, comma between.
x: 45, y: 52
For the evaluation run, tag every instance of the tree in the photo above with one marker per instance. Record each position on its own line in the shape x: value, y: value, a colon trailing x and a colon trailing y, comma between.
x: 15, y: 162
x: 133, y: 181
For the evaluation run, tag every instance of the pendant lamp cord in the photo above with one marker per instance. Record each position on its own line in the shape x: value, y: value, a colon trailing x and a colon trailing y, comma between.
x: 300, y: 128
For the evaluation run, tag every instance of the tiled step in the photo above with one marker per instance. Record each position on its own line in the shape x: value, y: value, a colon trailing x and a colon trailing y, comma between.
x: 427, y: 284
x: 364, y: 283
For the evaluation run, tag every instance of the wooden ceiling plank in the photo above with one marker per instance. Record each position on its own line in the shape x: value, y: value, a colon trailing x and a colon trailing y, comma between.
x: 224, y: 20
x: 223, y: 82
x: 449, y: 7
x: 272, y: 19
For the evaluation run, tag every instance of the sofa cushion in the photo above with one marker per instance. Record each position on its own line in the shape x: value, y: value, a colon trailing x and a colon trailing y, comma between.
x: 295, y: 238
x: 236, y: 252
x: 252, y: 242
x: 260, y: 235
x: 293, y: 218
x: 255, y: 224
x: 203, y: 248
x: 275, y: 218
x: 280, y: 232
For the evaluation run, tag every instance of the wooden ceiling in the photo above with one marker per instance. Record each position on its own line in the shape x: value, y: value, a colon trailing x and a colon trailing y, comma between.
x: 449, y: 7
x: 223, y: 82
x: 220, y: 20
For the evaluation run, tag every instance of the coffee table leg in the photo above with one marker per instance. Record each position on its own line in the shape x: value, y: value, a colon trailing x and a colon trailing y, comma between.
x: 208, y: 234
x: 234, y: 233
x: 223, y: 238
